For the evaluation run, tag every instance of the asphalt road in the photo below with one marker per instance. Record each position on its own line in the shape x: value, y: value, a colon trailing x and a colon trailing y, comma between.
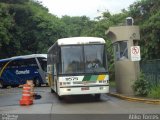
x: 73, y: 107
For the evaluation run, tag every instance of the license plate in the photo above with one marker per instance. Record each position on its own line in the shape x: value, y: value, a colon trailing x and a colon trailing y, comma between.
x: 85, y: 88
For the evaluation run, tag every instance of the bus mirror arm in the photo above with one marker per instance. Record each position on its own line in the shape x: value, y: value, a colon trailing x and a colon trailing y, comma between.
x: 108, y: 56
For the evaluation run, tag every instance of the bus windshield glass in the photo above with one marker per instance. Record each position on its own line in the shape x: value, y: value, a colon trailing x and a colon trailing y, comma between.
x: 72, y: 59
x: 43, y: 63
x: 83, y: 59
x: 94, y: 58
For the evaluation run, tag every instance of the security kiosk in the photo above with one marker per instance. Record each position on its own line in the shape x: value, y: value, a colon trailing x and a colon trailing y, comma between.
x: 127, y: 55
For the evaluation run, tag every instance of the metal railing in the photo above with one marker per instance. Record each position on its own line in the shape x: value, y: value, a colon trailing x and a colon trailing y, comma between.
x: 151, y: 69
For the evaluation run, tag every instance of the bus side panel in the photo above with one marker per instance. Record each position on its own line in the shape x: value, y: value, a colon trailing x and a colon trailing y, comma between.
x: 17, y: 76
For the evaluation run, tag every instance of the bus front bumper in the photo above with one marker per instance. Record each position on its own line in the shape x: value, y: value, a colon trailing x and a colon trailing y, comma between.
x: 80, y: 90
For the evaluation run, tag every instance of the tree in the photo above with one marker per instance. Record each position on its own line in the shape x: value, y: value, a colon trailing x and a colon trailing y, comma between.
x: 14, y: 1
x: 146, y: 15
x: 6, y: 25
x: 78, y: 26
x: 28, y: 28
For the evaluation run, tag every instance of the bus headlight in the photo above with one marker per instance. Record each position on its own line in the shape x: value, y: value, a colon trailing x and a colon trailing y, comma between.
x: 102, y: 88
x: 66, y: 90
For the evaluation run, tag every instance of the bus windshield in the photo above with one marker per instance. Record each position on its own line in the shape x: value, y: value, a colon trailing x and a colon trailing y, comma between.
x: 94, y: 58
x: 83, y: 59
x: 43, y: 63
x: 72, y: 59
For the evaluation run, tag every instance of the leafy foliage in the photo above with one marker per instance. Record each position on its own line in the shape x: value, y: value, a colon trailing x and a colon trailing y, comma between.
x: 14, y: 1
x: 27, y: 28
x: 141, y: 86
x: 146, y: 14
x: 155, y: 92
x: 81, y: 26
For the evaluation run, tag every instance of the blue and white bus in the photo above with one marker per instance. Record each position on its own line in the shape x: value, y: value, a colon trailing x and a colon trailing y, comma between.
x: 15, y: 71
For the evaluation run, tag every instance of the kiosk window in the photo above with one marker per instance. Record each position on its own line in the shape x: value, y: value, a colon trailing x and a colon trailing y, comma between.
x: 121, y: 50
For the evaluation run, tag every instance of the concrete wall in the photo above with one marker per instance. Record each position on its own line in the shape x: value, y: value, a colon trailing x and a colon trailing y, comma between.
x: 125, y: 74
x: 121, y: 33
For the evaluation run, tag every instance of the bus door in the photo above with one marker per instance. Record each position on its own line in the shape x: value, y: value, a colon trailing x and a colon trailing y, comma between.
x: 55, y: 77
x: 42, y: 68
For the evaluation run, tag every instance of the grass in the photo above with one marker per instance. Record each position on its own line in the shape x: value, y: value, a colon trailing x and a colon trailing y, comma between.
x: 154, y: 92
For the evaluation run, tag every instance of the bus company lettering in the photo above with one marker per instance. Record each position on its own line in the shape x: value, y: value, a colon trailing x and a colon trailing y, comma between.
x: 18, y: 72
x: 71, y: 78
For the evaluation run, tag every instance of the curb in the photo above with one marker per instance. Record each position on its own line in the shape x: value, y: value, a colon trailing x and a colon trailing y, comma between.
x: 156, y: 102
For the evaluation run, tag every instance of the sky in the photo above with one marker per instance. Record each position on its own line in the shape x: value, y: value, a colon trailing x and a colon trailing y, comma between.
x: 85, y: 7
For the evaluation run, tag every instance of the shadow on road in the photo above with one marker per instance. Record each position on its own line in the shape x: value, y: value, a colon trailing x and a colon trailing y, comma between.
x: 81, y: 99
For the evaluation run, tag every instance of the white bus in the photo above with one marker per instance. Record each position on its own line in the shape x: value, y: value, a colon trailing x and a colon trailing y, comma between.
x: 78, y: 65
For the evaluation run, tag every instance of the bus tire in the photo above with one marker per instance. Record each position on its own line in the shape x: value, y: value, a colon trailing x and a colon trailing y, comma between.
x: 52, y: 91
x: 2, y: 85
x: 97, y: 96
x: 37, y: 82
x: 47, y: 84
x: 60, y: 97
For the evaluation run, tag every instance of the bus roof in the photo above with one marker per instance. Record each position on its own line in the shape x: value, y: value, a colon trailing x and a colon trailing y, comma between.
x: 80, y: 40
x: 24, y: 57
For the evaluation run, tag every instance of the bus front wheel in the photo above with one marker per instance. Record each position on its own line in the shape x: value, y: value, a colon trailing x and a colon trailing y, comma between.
x: 2, y: 85
x: 37, y: 82
x: 52, y: 91
x: 60, y: 97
